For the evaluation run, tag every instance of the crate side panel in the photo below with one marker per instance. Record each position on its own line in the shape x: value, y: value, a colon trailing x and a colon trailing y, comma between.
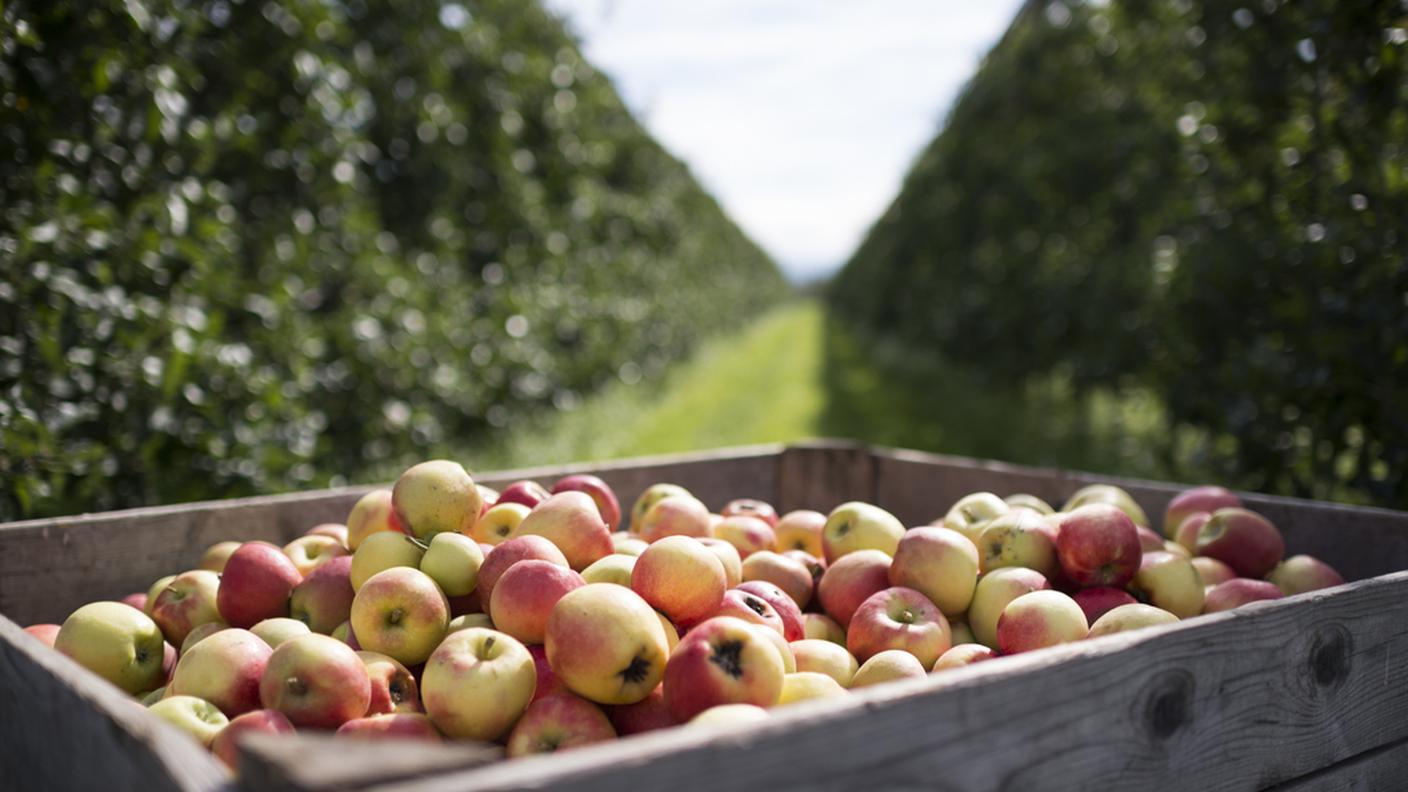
x: 1238, y: 700
x: 1381, y: 768
x: 822, y: 475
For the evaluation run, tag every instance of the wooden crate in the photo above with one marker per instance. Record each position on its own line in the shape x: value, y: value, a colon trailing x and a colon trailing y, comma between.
x: 1305, y: 693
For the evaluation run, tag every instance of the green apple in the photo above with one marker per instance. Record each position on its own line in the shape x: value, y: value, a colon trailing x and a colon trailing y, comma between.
x: 117, y: 642
x: 452, y: 560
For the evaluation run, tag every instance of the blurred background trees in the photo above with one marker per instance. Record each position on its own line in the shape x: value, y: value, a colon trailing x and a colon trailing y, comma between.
x: 252, y: 246
x: 1201, y: 199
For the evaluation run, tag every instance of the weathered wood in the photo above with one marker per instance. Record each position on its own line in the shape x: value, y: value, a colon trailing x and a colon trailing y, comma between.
x: 1232, y: 701
x: 1381, y: 768
x: 823, y: 474
x: 61, y: 727
x: 1360, y: 542
x: 310, y: 763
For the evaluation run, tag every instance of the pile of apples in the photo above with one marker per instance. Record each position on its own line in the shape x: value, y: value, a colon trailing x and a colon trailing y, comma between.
x: 443, y: 609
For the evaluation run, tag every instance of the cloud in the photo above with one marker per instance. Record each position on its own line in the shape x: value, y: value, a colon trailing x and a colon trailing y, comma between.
x: 802, y: 118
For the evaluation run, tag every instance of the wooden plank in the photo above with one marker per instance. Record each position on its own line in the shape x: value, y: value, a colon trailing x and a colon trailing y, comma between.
x: 1360, y: 542
x: 307, y: 762
x: 50, y: 567
x: 61, y: 727
x: 823, y: 474
x: 1236, y: 700
x: 1381, y: 768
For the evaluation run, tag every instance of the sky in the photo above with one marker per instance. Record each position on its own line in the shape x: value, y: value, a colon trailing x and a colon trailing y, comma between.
x: 802, y: 118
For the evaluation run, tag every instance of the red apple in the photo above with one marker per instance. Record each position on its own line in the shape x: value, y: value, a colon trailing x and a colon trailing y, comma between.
x: 1237, y: 592
x: 801, y: 530
x: 528, y: 493
x: 681, y: 578
x: 1198, y: 499
x: 600, y: 492
x: 1242, y: 539
x: 317, y: 681
x: 186, y: 603
x: 138, y: 600
x: 1186, y: 534
x: 1211, y: 571
x: 394, y: 687
x: 727, y: 555
x: 961, y: 655
x: 373, y: 513
x: 256, y: 584
x: 995, y: 590
x: 1099, y: 546
x: 402, y: 613
x: 606, y: 644
x: 1038, y: 620
x: 675, y: 515
x: 648, y: 714
x: 750, y: 608
x: 1149, y: 541
x: 1301, y: 573
x: 748, y: 534
x: 1096, y: 602
x: 508, y: 553
x: 391, y: 726
x: 571, y: 521
x: 898, y: 618
x: 548, y: 683
x: 850, y: 580
x: 44, y: 632
x: 793, y: 626
x: 651, y: 496
x: 225, y: 746
x: 558, y: 723
x: 224, y: 669
x: 750, y: 507
x: 323, y: 600
x: 722, y: 661
x: 524, y: 597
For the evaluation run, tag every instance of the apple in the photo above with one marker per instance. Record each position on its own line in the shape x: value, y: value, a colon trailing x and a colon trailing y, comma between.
x: 1186, y: 532
x: 467, y: 620
x: 256, y: 584
x: 225, y: 669
x: 215, y: 556
x: 382, y: 551
x: 1099, y: 546
x: 1110, y: 494
x: 940, y: 563
x: 651, y: 496
x: 1211, y: 571
x: 1096, y: 602
x: 855, y: 526
x: 277, y: 630
x: 525, y: 595
x: 959, y: 632
x: 186, y: 603
x: 393, y: 686
x: 434, y: 497
x: 968, y: 515
x: 680, y: 577
x: 1237, y: 592
x: 750, y: 608
x: 600, y: 493
x: 898, y: 618
x: 137, y: 600
x: 488, y: 497
x: 1198, y: 499
x: 200, y: 719
x: 793, y: 626
x: 1177, y: 549
x: 1171, y: 582
x: 1148, y: 540
x: 1016, y: 539
x: 343, y: 632
x: 452, y: 560
x: 801, y: 530
x: 547, y: 682
x: 748, y: 534
x: 1242, y: 539
x: 525, y: 492
x: 995, y: 590
x: 558, y: 723
x: 498, y: 523
x: 1301, y: 573
x: 156, y: 588
x: 1022, y: 500
x: 508, y: 553
x: 722, y: 661
x: 337, y: 531
x: 648, y: 714
x: 677, y: 515
x: 729, y: 715
x: 373, y: 513
x: 1039, y: 619
x: 1129, y: 617
x: 308, y: 552
x: 225, y: 746
x: 199, y: 634
x: 751, y: 507
x: 827, y: 658
x: 116, y: 642
x: 783, y: 647
x: 963, y: 654
x: 46, y: 633
x: 323, y: 600
x: 400, y: 612
x: 808, y: 685
x: 850, y: 580
x: 623, y: 543
x: 615, y: 568
x: 606, y: 644
x: 728, y: 556
x: 818, y: 626
x: 317, y: 681
x: 477, y: 684
x: 570, y: 521
x: 787, y: 574
x: 888, y: 666
x: 391, y: 726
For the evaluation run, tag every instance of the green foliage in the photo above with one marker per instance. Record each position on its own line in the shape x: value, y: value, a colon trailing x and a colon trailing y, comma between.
x: 1199, y: 198
x: 254, y: 246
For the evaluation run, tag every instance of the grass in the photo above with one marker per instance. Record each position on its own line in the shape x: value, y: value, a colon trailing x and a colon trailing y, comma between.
x: 798, y: 373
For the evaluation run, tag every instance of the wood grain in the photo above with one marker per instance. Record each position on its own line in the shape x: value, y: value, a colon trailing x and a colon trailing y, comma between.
x: 1382, y: 768
x: 308, y: 762
x: 61, y: 727
x: 1233, y: 701
x: 823, y: 474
